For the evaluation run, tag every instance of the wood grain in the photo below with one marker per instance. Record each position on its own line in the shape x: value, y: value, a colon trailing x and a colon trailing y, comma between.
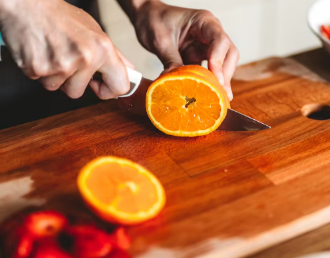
x: 230, y: 194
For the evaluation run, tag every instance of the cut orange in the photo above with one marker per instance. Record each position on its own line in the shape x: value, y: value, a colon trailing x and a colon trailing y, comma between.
x: 121, y: 191
x: 188, y: 101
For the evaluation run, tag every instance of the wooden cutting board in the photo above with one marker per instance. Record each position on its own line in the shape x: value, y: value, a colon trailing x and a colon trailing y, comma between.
x: 229, y: 194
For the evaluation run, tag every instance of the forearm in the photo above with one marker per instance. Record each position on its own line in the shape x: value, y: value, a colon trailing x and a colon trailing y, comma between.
x: 131, y: 7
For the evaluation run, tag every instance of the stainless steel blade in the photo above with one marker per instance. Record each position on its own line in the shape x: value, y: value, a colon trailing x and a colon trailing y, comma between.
x: 236, y: 121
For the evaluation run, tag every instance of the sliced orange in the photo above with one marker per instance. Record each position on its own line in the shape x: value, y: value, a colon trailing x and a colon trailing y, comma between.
x: 121, y: 191
x: 188, y: 101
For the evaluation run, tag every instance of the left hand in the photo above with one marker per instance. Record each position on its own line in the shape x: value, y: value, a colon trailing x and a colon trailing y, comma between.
x: 181, y: 36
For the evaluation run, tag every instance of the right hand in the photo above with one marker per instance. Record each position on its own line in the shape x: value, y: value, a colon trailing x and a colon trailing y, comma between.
x: 62, y: 46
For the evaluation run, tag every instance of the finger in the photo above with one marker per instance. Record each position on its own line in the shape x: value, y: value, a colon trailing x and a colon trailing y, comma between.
x: 76, y: 85
x: 114, y: 76
x: 216, y: 55
x: 54, y: 82
x: 101, y: 90
x: 230, y: 63
x: 36, y: 63
x: 194, y: 54
x: 168, y: 52
x: 209, y: 31
x: 125, y: 60
x: 229, y: 68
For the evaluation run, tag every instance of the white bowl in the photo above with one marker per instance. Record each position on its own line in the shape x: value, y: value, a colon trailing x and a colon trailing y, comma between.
x: 318, y: 15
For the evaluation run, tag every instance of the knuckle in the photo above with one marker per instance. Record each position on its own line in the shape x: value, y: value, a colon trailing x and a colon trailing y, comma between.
x: 105, y: 43
x: 65, y: 66
x: 37, y: 69
x: 86, y: 56
x: 204, y: 13
x: 225, y: 41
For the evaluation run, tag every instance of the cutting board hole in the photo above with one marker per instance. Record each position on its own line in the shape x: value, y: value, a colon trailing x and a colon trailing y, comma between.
x: 316, y: 111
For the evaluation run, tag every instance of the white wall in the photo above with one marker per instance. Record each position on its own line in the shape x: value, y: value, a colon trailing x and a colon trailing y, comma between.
x: 259, y: 28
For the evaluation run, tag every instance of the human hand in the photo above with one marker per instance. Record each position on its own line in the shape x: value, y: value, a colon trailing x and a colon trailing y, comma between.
x: 185, y: 36
x: 62, y: 46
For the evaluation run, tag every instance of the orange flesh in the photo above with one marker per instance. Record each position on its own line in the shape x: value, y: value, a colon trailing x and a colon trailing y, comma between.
x: 185, y: 105
x: 123, y: 187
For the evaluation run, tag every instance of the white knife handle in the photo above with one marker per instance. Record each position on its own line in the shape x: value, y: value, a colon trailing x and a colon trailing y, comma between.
x: 135, y: 80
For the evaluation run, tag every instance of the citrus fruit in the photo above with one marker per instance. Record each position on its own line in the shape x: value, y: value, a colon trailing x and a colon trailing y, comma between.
x: 188, y: 101
x: 121, y: 191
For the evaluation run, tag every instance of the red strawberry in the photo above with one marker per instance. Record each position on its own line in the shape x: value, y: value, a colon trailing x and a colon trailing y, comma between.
x: 24, y: 247
x: 88, y: 241
x: 120, y: 239
x: 325, y: 31
x: 49, y: 249
x: 43, y: 224
x: 118, y: 253
x: 17, y: 245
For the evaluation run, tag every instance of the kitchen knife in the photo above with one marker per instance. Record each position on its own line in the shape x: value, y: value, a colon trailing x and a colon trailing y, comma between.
x: 234, y: 120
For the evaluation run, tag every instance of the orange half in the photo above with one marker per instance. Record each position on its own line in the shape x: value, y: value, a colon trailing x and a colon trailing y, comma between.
x: 121, y: 191
x: 189, y: 101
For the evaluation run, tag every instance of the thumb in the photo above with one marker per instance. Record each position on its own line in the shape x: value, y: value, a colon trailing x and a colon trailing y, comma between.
x: 170, y: 57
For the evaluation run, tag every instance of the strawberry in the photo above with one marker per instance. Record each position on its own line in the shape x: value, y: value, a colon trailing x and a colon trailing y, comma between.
x: 87, y: 241
x: 120, y: 240
x: 326, y: 31
x: 49, y: 249
x: 43, y: 224
x: 18, y: 245
x: 118, y: 253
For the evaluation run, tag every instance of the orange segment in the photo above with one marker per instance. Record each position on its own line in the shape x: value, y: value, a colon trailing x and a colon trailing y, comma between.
x: 188, y: 101
x: 121, y: 191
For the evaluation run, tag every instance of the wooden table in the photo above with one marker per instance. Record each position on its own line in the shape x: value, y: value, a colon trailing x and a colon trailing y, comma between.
x: 230, y: 194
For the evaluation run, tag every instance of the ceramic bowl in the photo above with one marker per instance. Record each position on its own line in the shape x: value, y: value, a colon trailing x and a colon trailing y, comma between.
x: 318, y: 15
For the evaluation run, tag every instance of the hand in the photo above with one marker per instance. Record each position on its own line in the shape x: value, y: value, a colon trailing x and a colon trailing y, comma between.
x: 185, y: 36
x: 62, y: 46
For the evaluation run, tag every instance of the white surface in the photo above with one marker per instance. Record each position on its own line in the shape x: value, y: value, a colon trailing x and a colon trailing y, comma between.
x: 12, y: 196
x: 317, y: 255
x: 318, y: 15
x: 259, y: 28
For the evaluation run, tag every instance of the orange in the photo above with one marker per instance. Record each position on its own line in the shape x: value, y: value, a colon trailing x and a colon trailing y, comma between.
x: 188, y: 101
x: 121, y: 191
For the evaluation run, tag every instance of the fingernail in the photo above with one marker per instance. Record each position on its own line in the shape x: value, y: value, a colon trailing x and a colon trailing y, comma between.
x: 230, y: 93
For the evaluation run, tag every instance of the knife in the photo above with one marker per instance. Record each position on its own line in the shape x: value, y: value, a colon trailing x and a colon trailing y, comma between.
x: 234, y: 120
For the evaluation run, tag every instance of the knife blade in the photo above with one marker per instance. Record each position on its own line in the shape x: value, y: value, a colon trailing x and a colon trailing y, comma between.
x: 236, y: 121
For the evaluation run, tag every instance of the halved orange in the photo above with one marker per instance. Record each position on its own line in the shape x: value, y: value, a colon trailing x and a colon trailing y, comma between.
x: 121, y: 191
x: 188, y: 101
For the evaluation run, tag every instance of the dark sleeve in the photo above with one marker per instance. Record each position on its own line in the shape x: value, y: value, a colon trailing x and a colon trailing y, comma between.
x: 83, y: 4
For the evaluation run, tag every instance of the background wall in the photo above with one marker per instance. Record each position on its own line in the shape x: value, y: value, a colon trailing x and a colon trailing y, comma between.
x: 259, y: 28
